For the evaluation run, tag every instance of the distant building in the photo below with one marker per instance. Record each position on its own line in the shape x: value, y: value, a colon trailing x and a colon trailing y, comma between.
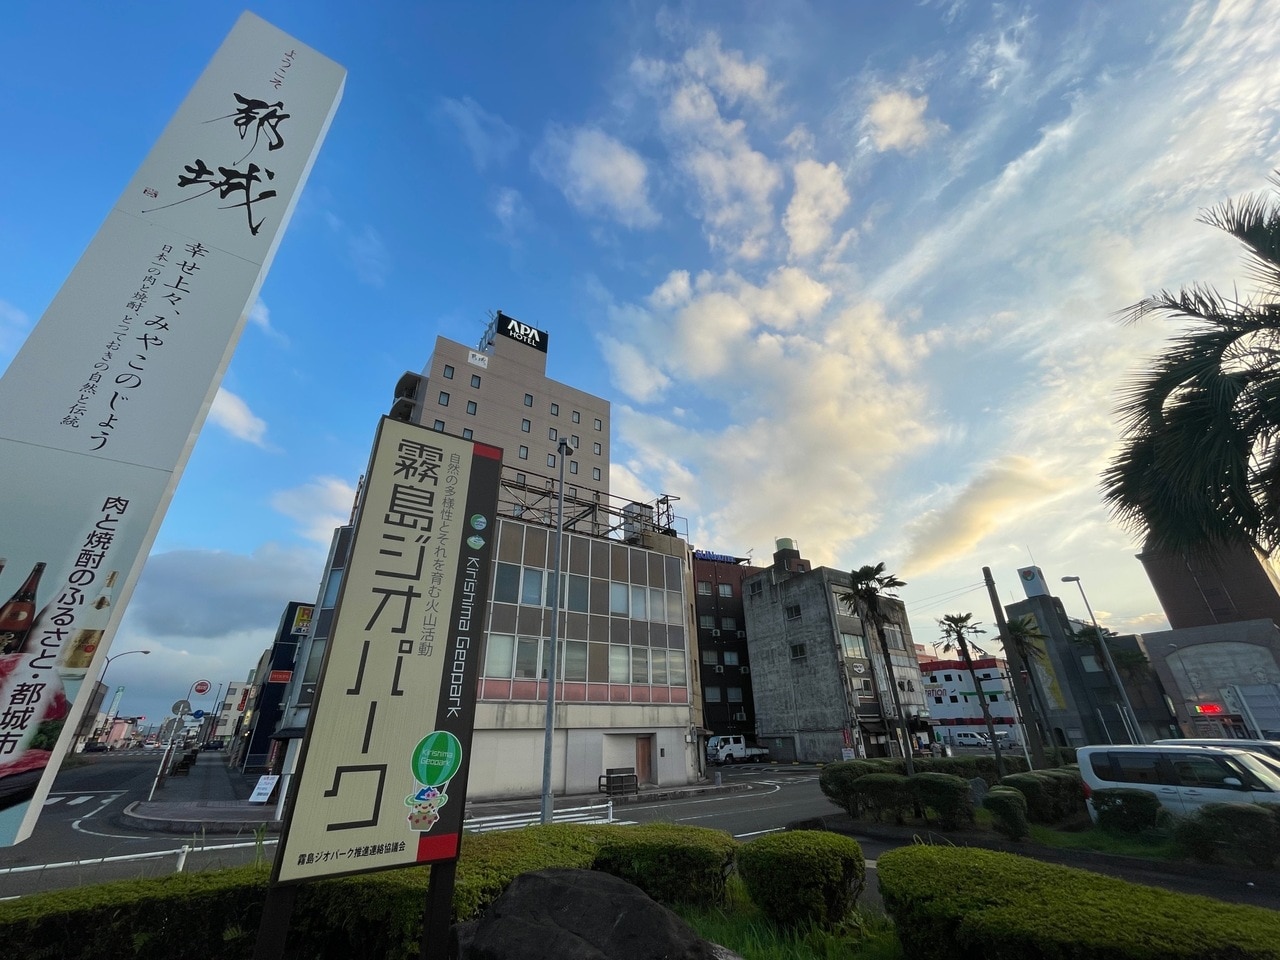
x: 257, y: 749
x: 954, y: 702
x: 819, y: 680
x: 723, y: 653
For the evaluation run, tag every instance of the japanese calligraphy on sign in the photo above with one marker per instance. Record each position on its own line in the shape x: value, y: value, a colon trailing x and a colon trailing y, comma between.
x: 102, y: 404
x: 384, y: 762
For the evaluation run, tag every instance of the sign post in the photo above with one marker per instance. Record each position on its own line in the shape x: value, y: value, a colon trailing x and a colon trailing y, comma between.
x: 382, y: 772
x: 102, y: 405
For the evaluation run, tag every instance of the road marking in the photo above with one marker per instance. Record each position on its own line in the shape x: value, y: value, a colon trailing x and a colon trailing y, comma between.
x: 79, y: 800
x: 756, y: 833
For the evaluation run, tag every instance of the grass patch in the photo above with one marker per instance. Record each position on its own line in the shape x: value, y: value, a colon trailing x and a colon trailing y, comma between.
x: 741, y: 927
x: 1154, y: 844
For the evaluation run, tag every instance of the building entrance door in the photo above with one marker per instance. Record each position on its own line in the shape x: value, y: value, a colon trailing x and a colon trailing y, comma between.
x: 644, y: 759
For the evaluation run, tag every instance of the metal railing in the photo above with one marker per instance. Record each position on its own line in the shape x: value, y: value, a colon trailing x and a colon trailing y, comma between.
x: 181, y: 853
x: 598, y: 813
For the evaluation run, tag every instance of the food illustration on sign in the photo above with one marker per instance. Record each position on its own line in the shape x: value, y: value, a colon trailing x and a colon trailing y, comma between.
x: 435, y: 760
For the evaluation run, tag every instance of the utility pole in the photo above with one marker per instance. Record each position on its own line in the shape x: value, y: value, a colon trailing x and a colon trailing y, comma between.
x: 1017, y: 677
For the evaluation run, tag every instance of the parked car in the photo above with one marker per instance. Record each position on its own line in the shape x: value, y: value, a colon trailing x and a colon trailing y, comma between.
x: 95, y: 747
x: 1183, y: 777
x: 214, y: 744
x: 1270, y: 748
x: 969, y: 738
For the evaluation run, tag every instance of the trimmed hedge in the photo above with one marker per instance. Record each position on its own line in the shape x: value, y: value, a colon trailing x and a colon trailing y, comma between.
x: 215, y: 915
x: 1052, y: 795
x: 1126, y: 809
x: 951, y: 902
x: 947, y: 795
x: 883, y: 794
x: 803, y: 876
x: 1246, y: 831
x: 1008, y: 812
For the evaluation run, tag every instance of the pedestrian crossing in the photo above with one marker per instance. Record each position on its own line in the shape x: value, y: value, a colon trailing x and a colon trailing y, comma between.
x: 68, y: 800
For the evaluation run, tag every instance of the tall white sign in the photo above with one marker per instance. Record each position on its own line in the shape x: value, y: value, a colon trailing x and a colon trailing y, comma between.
x: 102, y: 405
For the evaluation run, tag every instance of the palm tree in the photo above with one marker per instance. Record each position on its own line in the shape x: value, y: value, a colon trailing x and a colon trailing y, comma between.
x: 1027, y: 638
x: 870, y: 586
x: 1199, y: 468
x: 958, y: 630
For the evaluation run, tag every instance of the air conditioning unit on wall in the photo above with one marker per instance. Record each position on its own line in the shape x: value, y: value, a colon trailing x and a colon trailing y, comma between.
x: 715, y: 633
x: 719, y: 669
x: 742, y: 634
x: 746, y: 669
x: 740, y: 716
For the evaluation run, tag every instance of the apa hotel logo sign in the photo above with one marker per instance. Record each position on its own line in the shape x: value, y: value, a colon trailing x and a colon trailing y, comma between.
x: 529, y: 336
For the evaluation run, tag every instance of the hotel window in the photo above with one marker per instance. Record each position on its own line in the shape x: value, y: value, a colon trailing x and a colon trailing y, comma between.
x: 728, y: 623
x: 438, y: 425
x: 475, y: 380
x: 525, y: 426
x: 599, y: 424
x: 520, y: 478
x: 524, y: 453
x: 730, y: 658
x: 575, y: 442
x: 466, y: 434
x: 726, y: 589
x: 711, y: 695
x: 448, y: 372
x: 704, y: 588
x: 735, y: 694
x: 471, y: 407
x: 573, y: 466
x: 577, y: 417
x: 710, y: 656
x: 595, y: 448
x: 707, y: 621
x: 528, y: 399
x: 552, y: 435
x: 551, y: 459
x: 555, y: 409
x: 444, y: 399
x: 595, y: 473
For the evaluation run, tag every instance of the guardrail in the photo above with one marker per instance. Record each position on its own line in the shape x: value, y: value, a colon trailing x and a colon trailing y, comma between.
x: 598, y: 813
x: 181, y: 853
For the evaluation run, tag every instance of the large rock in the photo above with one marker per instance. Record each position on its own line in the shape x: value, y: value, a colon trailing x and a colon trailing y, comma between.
x: 578, y: 915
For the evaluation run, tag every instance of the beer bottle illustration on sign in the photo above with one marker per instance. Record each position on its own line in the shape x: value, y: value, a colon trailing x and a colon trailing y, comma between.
x: 18, y: 613
x: 84, y: 642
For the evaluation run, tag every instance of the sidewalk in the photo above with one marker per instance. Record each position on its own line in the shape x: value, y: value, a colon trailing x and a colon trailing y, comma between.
x: 214, y: 798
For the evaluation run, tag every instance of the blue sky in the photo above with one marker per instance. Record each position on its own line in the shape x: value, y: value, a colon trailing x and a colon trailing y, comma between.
x: 846, y: 270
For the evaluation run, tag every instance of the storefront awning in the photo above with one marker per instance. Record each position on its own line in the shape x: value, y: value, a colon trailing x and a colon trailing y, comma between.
x: 872, y: 726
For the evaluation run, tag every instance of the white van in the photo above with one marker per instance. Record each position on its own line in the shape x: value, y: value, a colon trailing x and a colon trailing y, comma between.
x: 1184, y: 778
x: 1270, y: 748
x: 969, y: 738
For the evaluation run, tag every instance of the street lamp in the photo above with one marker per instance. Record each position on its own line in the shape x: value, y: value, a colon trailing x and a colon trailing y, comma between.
x: 565, y: 451
x: 1130, y: 716
x: 102, y: 677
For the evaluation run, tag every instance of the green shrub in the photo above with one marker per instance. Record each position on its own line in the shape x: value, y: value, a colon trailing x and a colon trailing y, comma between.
x: 836, y: 782
x: 672, y: 864
x: 1244, y: 830
x: 949, y: 902
x: 1036, y: 790
x: 1009, y: 812
x: 1066, y: 793
x: 882, y: 794
x: 985, y: 764
x: 803, y: 876
x: 1126, y: 810
x: 947, y: 795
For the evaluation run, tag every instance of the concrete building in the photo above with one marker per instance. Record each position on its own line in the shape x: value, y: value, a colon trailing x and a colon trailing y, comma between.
x: 723, y: 653
x: 626, y: 692
x: 819, y: 681
x: 1227, y: 586
x: 499, y: 392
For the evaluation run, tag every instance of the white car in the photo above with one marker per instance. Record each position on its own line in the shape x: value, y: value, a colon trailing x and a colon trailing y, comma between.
x: 1184, y: 778
x: 1270, y: 748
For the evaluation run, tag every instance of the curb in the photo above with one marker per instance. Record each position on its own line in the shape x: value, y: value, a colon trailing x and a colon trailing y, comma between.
x: 135, y: 818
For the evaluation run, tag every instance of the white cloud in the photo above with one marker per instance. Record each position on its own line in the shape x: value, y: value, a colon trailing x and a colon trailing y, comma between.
x: 513, y: 214
x: 260, y: 317
x: 896, y: 121
x: 729, y: 74
x: 820, y: 198
x: 318, y: 506
x: 487, y: 136
x: 233, y: 415
x: 632, y: 371
x: 599, y: 175
x: 369, y: 256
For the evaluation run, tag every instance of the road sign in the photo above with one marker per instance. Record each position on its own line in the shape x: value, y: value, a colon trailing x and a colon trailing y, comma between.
x: 181, y: 708
x: 201, y: 687
x: 197, y: 714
